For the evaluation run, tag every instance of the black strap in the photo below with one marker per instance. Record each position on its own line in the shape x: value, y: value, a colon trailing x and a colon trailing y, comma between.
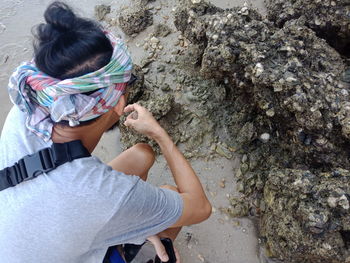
x: 43, y: 161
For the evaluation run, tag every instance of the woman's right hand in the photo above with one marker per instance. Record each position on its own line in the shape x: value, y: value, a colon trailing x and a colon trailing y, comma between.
x: 142, y: 121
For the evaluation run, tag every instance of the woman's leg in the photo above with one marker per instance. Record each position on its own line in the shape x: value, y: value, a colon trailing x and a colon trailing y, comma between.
x: 136, y: 160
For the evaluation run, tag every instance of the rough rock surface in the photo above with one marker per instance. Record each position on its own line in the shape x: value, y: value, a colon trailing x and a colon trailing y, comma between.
x: 307, y: 215
x: 330, y: 19
x: 288, y: 109
x: 289, y: 74
x: 181, y: 111
x: 134, y: 19
x: 101, y: 11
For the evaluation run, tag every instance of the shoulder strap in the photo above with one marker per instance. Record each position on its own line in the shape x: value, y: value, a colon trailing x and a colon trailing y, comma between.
x: 43, y: 161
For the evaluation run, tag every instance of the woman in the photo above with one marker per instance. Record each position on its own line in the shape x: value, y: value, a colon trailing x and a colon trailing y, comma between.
x: 67, y: 47
x: 74, y: 89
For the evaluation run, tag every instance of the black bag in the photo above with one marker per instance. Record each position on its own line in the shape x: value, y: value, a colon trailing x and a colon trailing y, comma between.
x: 43, y: 161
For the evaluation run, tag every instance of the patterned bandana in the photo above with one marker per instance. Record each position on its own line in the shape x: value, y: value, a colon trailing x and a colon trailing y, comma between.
x: 47, y: 100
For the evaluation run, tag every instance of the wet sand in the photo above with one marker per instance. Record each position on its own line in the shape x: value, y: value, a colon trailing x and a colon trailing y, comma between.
x: 220, y: 239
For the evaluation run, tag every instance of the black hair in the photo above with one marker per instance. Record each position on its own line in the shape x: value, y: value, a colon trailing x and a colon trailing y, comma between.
x: 67, y: 45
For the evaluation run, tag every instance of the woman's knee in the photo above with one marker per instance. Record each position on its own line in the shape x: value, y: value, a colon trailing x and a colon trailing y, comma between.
x: 145, y: 152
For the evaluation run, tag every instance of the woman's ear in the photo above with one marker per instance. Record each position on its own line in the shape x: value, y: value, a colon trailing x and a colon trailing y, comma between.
x: 119, y: 108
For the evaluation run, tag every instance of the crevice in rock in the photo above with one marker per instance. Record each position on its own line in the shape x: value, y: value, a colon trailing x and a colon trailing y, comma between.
x: 330, y: 34
x: 345, y: 234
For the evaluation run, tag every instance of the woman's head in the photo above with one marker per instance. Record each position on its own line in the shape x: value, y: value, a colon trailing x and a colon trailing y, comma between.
x: 68, y: 46
x: 97, y: 64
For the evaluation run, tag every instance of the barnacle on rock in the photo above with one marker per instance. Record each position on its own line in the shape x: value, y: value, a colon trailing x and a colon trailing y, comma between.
x: 329, y: 18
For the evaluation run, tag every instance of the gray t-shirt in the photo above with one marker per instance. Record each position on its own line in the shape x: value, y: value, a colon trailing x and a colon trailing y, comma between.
x: 75, y: 212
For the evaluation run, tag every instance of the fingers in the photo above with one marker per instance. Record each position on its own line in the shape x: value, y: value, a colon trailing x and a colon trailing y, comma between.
x: 129, y: 122
x: 133, y: 107
x: 159, y: 247
x: 129, y: 108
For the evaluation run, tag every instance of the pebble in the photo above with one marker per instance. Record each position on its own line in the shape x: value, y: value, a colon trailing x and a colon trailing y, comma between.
x: 270, y: 112
x: 160, y: 68
x: 185, y: 43
x: 265, y: 137
x: 223, y: 151
x: 201, y: 258
x: 145, y: 70
x: 291, y: 79
x: 222, y: 183
x: 344, y: 92
x: 259, y: 69
x: 2, y: 27
x: 240, y: 187
x: 213, y: 194
x: 154, y: 40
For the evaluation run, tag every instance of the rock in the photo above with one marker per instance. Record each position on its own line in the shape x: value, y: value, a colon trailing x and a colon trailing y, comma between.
x: 308, y: 210
x: 239, y: 208
x: 161, y: 30
x: 270, y: 72
x: 265, y: 137
x: 287, y: 79
x: 223, y: 151
x: 135, y: 19
x: 154, y: 40
x: 329, y: 21
x: 146, y: 62
x: 101, y: 11
x: 222, y: 183
x: 145, y: 70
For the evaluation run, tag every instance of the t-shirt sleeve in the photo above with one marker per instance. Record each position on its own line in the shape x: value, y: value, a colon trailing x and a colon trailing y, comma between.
x: 146, y: 210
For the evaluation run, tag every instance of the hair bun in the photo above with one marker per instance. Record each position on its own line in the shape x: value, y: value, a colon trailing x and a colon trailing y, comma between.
x: 60, y: 16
